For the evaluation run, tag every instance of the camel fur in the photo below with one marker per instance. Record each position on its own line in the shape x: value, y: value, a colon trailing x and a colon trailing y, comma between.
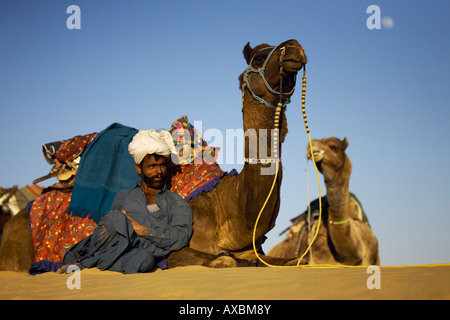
x: 16, y: 249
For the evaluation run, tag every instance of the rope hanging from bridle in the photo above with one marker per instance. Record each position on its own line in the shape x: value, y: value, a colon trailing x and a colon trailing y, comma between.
x: 278, y: 109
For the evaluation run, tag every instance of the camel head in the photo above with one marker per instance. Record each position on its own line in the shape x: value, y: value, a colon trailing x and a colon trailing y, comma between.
x: 329, y: 155
x: 262, y: 76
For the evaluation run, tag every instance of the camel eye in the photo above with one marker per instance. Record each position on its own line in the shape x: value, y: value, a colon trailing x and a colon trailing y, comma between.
x: 334, y: 148
x: 259, y: 60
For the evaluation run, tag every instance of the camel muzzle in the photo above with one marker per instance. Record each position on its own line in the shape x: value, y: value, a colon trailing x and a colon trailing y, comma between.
x: 318, y: 154
x: 294, y: 57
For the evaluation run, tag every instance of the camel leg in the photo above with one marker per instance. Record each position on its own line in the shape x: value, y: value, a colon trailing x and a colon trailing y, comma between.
x: 190, y: 257
x: 16, y: 248
x: 274, y: 261
x: 249, y: 255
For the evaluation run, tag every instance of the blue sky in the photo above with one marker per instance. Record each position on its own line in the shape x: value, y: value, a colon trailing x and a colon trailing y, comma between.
x: 146, y: 63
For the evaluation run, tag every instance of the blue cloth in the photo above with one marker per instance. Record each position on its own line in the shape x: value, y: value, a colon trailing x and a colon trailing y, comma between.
x: 106, y: 167
x: 115, y: 246
x: 45, y: 266
x: 53, y: 266
x: 209, y: 186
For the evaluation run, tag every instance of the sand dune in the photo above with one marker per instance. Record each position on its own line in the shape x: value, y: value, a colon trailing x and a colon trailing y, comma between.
x: 198, y: 283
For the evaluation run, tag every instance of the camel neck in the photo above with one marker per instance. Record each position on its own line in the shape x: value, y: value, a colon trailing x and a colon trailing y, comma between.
x: 338, y: 195
x: 257, y: 179
x: 259, y: 127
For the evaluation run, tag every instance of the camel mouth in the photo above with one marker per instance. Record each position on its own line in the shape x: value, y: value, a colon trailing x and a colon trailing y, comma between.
x: 318, y: 154
x: 292, y: 65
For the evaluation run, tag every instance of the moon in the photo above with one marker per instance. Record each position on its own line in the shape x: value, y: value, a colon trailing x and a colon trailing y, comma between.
x: 387, y: 22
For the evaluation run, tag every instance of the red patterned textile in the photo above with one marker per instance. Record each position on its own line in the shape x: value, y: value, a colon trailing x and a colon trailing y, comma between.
x: 70, y: 149
x: 189, y: 143
x: 52, y: 229
x: 184, y: 180
x: 198, y: 171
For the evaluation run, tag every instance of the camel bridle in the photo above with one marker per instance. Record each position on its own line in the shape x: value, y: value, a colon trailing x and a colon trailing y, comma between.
x: 261, y: 70
x: 281, y: 105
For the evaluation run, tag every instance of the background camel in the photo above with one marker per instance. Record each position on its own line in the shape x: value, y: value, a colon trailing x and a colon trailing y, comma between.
x: 224, y: 218
x: 16, y: 248
x: 5, y: 211
x: 345, y: 236
x: 13, y: 199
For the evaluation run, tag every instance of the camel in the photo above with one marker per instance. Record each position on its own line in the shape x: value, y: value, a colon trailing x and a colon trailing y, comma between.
x: 225, y: 217
x: 5, y: 211
x: 13, y: 199
x: 345, y: 236
x: 16, y: 248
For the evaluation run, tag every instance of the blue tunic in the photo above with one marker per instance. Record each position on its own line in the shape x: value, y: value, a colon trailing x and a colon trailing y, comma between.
x: 115, y: 246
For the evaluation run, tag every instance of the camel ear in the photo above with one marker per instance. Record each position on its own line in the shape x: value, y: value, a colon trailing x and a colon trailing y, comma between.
x: 345, y: 143
x: 248, y: 52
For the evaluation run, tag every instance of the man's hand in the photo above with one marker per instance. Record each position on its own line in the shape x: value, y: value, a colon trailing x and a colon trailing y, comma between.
x: 138, y: 228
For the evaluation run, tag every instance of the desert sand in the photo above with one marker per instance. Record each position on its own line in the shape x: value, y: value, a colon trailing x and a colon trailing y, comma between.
x: 201, y: 283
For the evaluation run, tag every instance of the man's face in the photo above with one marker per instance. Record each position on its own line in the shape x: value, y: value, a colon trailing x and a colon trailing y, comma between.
x: 153, y: 171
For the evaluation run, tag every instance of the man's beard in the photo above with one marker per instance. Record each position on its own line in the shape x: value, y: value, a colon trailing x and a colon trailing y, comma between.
x: 152, y: 183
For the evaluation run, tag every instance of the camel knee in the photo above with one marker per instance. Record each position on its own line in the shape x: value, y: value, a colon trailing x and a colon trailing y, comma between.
x: 223, y: 262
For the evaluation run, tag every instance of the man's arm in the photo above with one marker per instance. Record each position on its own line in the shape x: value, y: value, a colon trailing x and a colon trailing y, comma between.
x: 140, y: 229
x: 177, y: 234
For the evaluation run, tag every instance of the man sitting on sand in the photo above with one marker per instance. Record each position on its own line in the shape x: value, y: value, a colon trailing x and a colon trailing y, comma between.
x: 145, y: 222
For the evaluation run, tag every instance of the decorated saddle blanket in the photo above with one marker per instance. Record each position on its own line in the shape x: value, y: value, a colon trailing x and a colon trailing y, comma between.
x: 66, y: 150
x: 198, y: 171
x: 191, y: 180
x: 53, y: 230
x: 304, y: 222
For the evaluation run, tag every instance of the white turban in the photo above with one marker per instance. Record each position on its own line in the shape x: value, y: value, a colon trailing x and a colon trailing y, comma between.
x: 151, y: 142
